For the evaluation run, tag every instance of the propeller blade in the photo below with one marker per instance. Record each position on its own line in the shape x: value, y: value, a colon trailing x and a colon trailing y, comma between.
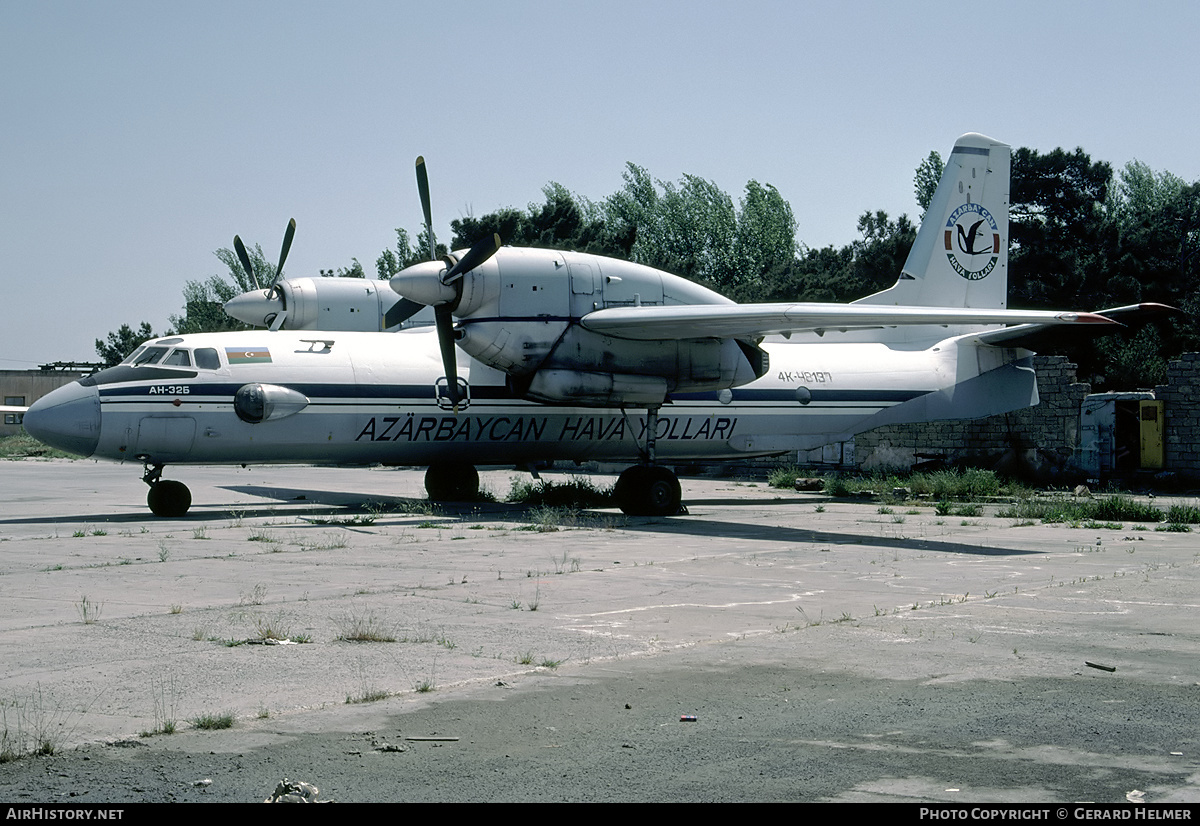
x: 478, y: 254
x: 240, y: 249
x: 423, y: 189
x: 445, y: 331
x: 401, y: 311
x: 288, y: 235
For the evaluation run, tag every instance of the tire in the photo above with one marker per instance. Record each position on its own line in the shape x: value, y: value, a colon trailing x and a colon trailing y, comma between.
x: 452, y: 482
x: 168, y: 498
x: 648, y: 490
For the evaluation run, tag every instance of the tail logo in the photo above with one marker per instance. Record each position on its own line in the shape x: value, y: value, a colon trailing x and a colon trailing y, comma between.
x: 971, y: 247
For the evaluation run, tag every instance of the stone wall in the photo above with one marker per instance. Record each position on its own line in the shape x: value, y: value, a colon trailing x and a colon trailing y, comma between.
x: 1038, y: 440
x: 1182, y: 411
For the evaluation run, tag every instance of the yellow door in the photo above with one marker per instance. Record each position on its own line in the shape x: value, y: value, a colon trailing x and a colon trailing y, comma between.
x: 1150, y: 414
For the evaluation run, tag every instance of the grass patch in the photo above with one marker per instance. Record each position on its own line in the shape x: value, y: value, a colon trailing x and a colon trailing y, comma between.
x: 23, y: 446
x: 1183, y: 514
x: 578, y: 492
x: 941, y: 485
x: 356, y: 627
x: 1110, y: 509
x: 213, y: 722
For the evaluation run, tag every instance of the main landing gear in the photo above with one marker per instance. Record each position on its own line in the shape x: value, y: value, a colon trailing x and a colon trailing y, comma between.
x: 452, y: 482
x: 648, y: 489
x: 166, y: 497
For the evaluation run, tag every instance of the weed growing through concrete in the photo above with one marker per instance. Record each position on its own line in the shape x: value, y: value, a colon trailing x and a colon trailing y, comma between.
x: 256, y: 596
x: 32, y: 726
x: 356, y: 626
x: 89, y: 611
x: 166, y: 692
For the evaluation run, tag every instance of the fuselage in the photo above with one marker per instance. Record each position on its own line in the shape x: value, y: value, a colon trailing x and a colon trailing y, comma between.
x: 373, y: 398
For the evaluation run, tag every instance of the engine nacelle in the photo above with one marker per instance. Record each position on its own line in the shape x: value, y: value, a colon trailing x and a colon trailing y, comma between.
x: 354, y: 304
x: 596, y: 389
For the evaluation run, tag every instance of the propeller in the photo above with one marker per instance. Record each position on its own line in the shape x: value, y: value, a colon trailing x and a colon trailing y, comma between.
x: 442, y: 315
x: 242, y: 255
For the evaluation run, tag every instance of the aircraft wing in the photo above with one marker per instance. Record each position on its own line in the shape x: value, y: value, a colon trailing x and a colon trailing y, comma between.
x: 1042, y: 337
x: 757, y: 320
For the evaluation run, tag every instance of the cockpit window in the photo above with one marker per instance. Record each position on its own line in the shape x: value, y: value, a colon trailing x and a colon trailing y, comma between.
x: 207, y: 359
x: 146, y: 355
x: 178, y: 358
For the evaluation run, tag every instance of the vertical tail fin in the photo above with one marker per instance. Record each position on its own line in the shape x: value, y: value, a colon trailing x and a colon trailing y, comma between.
x: 960, y: 257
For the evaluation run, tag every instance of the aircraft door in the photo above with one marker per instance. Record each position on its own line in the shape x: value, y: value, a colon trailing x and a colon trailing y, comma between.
x: 165, y: 438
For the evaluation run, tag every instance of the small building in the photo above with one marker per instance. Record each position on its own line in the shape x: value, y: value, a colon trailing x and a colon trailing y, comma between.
x: 21, y: 388
x: 1120, y: 434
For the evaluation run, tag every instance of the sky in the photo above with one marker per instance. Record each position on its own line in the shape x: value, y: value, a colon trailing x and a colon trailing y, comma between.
x: 136, y: 138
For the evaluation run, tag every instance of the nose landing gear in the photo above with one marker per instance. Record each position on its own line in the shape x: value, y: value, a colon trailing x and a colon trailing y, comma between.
x: 167, y: 497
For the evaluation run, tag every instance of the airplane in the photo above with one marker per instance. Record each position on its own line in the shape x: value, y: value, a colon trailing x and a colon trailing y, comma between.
x: 539, y: 355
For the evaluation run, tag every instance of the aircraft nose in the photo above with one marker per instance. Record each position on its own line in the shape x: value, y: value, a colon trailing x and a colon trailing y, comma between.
x: 67, y: 418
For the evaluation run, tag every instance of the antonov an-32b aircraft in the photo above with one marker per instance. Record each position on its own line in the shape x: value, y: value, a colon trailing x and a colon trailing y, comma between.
x: 567, y: 356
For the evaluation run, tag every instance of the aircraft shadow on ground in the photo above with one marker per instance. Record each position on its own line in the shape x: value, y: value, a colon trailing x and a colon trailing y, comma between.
x: 677, y: 525
x: 336, y: 505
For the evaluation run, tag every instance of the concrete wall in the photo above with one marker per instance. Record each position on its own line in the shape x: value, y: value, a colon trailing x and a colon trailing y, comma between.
x: 29, y: 385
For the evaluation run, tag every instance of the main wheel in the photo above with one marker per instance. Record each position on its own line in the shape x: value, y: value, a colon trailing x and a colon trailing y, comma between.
x: 169, y: 498
x: 648, y: 490
x: 452, y: 482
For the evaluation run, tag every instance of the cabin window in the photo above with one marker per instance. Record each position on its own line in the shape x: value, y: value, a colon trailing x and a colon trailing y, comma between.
x: 178, y: 358
x: 206, y: 359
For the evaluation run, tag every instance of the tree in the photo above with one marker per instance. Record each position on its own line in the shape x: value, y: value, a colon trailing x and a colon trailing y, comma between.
x: 1057, y: 228
x: 929, y: 173
x: 405, y: 255
x: 119, y: 344
x: 204, y: 301
x: 355, y: 270
x: 766, y: 233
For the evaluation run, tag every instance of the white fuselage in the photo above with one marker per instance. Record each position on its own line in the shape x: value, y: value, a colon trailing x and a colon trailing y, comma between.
x: 371, y: 398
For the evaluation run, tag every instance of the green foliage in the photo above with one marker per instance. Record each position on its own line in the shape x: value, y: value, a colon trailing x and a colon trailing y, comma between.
x: 120, y: 343
x: 944, y: 486
x: 1107, y: 509
x: 1184, y: 514
x: 929, y: 173
x: 22, y: 445
x: 575, y: 493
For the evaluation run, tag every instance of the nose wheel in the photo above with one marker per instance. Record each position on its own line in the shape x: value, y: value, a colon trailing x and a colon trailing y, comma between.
x: 167, y: 497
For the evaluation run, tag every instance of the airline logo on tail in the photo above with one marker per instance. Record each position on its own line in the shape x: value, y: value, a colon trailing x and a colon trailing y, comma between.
x: 972, y: 241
